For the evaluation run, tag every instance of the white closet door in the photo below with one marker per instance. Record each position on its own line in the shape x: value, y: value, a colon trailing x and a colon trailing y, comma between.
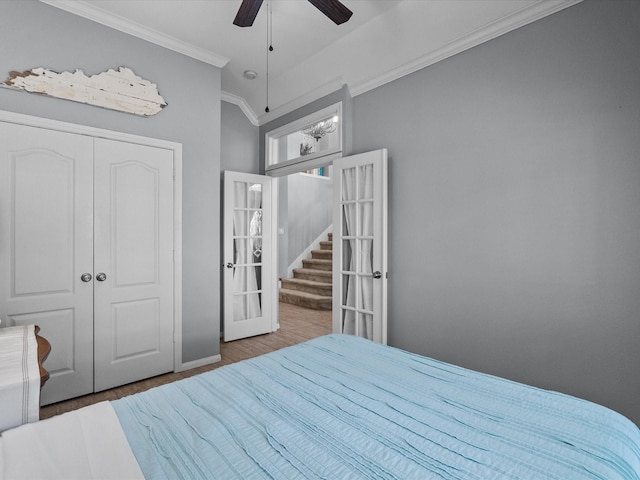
x: 46, y: 232
x: 133, y: 262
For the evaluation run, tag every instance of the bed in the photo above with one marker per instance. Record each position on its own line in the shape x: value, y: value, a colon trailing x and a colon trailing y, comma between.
x: 336, y: 407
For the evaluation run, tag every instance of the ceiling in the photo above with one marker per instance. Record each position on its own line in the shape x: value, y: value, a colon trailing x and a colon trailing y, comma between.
x: 383, y: 40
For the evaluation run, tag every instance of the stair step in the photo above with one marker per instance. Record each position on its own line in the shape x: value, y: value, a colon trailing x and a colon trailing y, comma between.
x: 318, y: 264
x: 304, y: 299
x: 322, y: 254
x: 309, y: 286
x: 315, y: 275
x: 326, y: 245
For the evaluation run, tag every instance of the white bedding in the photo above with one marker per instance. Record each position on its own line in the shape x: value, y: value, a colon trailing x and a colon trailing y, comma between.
x: 84, y: 444
x: 19, y: 377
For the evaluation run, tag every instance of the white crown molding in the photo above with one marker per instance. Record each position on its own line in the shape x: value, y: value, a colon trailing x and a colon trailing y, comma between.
x: 488, y: 32
x: 242, y: 103
x: 96, y: 14
x: 288, y: 107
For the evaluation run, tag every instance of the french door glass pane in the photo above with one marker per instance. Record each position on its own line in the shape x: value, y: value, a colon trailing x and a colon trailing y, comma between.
x: 366, y: 299
x: 348, y: 290
x: 347, y: 264
x: 247, y: 245
x: 239, y: 222
x: 349, y: 219
x: 365, y: 325
x: 348, y: 184
x: 365, y: 182
x: 348, y: 321
x: 365, y: 218
x: 239, y: 251
x: 240, y: 194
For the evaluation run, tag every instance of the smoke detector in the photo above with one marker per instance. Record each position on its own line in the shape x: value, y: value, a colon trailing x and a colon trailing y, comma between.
x: 250, y: 74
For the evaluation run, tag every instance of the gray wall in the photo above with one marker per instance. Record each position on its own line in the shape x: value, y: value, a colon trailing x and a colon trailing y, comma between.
x: 514, y: 202
x: 239, y: 141
x: 305, y: 211
x: 33, y: 34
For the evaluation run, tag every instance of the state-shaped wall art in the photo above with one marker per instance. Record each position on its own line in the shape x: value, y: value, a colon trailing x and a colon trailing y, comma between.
x: 120, y: 89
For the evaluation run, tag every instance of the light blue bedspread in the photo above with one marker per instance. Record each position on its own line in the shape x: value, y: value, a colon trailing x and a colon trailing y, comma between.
x: 340, y: 407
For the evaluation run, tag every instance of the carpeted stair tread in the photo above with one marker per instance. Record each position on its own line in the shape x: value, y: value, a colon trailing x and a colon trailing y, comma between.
x: 312, y: 274
x: 317, y: 264
x: 309, y: 286
x: 305, y: 299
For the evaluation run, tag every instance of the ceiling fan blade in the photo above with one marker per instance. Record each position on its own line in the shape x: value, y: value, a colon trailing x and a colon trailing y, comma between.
x: 247, y: 13
x: 333, y: 9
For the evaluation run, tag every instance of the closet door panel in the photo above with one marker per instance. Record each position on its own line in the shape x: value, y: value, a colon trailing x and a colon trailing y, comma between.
x: 134, y: 251
x: 46, y: 245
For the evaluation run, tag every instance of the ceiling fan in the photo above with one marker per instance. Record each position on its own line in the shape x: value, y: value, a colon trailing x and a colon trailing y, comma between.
x: 333, y: 9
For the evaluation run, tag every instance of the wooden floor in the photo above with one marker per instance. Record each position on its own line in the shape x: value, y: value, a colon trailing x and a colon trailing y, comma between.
x: 297, y: 325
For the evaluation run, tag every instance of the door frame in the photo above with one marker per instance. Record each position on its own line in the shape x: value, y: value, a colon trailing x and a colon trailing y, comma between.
x: 57, y: 125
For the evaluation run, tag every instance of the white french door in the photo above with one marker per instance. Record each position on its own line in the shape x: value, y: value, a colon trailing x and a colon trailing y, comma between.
x: 249, y: 286
x: 360, y: 245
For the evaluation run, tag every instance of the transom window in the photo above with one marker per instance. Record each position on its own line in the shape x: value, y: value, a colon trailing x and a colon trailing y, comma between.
x: 315, y: 139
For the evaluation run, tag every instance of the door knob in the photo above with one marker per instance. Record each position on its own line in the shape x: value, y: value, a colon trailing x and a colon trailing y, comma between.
x: 101, y: 277
x: 86, y: 277
x: 229, y: 265
x: 377, y: 274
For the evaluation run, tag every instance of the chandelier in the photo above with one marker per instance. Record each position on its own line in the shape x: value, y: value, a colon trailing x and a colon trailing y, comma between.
x: 320, y: 129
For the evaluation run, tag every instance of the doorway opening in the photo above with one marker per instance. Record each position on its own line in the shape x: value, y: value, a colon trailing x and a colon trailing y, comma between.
x: 305, y: 251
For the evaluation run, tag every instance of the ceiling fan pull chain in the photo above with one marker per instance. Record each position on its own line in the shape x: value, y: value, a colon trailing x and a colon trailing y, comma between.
x: 270, y: 27
x: 270, y: 49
